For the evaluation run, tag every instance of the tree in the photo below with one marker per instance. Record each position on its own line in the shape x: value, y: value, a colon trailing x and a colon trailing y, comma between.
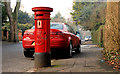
x: 58, y: 18
x: 4, y: 14
x: 89, y: 14
x: 24, y: 18
x: 13, y: 18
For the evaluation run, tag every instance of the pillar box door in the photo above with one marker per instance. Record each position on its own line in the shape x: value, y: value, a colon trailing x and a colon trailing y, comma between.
x: 42, y: 36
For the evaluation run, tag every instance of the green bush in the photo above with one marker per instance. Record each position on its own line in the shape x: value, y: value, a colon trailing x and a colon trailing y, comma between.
x: 20, y: 26
x: 97, y: 36
x: 24, y: 26
x: 6, y: 25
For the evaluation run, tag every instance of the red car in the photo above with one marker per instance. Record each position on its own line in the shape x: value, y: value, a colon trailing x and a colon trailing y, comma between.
x: 62, y: 38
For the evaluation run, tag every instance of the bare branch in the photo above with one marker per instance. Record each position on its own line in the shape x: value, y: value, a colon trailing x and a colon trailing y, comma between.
x: 17, y: 6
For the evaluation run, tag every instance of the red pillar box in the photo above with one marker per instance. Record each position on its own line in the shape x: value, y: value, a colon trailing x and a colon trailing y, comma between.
x: 42, y: 36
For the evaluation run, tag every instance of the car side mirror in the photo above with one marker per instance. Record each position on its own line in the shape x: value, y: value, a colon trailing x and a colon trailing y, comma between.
x: 77, y: 33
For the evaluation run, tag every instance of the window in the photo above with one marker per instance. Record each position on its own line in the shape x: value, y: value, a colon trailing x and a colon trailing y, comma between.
x: 70, y: 29
x: 53, y: 26
x: 33, y: 27
x: 56, y: 26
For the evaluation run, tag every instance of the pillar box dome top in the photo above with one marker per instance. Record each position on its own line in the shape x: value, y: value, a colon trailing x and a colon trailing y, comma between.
x: 42, y: 9
x: 42, y: 13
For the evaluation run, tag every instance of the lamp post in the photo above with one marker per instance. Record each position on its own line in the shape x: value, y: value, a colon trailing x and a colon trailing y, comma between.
x: 1, y: 20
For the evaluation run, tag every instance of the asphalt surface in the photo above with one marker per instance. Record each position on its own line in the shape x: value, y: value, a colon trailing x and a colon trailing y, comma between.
x: 90, y: 60
x: 13, y: 59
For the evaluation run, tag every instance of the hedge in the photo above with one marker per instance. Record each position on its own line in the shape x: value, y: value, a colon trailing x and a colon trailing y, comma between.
x: 112, y: 35
x: 97, y: 36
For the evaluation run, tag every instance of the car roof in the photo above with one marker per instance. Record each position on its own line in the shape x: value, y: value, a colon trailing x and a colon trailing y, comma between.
x: 56, y: 23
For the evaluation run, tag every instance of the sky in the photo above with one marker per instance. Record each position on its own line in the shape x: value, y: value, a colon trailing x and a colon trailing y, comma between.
x: 63, y: 6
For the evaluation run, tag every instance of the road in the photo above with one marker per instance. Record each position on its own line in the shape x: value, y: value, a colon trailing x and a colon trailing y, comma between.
x: 13, y: 59
x: 90, y: 60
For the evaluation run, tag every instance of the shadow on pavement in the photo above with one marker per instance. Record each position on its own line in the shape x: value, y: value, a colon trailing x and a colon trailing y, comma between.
x: 58, y: 55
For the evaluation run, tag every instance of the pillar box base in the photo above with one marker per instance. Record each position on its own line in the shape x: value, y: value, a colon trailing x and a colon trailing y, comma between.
x: 42, y: 60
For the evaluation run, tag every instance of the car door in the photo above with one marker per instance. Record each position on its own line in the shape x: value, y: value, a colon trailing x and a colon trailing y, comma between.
x: 72, y: 34
x: 76, y: 39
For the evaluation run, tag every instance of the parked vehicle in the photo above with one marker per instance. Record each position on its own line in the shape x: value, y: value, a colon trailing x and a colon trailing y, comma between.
x: 88, y: 38
x: 62, y: 38
x: 78, y: 35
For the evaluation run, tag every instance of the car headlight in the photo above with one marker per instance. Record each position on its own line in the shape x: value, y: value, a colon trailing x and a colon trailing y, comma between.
x: 26, y: 38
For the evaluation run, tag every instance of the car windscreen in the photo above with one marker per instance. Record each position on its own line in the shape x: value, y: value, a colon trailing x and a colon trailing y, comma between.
x: 53, y: 26
x: 56, y: 26
x: 33, y: 27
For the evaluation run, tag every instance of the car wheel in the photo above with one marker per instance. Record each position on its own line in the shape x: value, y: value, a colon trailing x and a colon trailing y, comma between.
x: 28, y: 53
x: 69, y: 52
x: 78, y: 50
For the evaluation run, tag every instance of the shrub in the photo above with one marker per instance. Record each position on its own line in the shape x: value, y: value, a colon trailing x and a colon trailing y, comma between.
x: 97, y: 36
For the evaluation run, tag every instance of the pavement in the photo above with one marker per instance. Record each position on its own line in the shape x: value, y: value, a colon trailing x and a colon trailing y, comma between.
x: 89, y: 60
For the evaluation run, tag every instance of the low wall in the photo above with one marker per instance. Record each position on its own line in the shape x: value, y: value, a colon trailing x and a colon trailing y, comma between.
x: 6, y: 38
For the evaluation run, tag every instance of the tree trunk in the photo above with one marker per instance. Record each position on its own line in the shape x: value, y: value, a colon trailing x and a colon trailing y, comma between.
x: 11, y: 31
x: 15, y: 32
x: 13, y: 16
